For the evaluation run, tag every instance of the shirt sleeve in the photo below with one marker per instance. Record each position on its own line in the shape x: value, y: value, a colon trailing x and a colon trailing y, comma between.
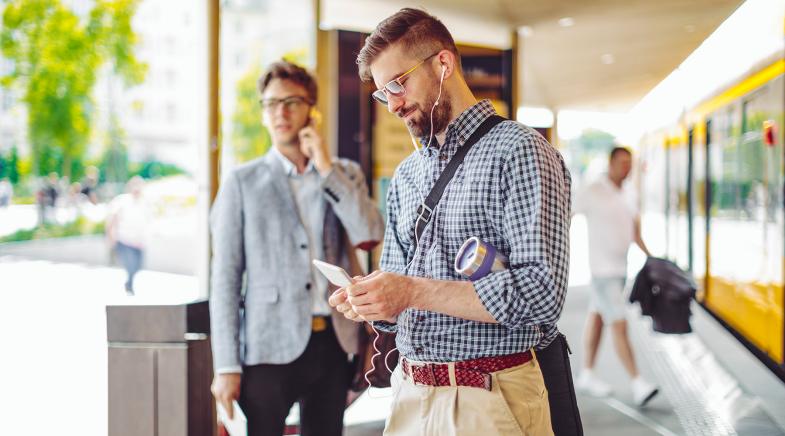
x: 345, y: 188
x: 632, y: 201
x: 536, y: 208
x: 237, y: 369
x: 226, y: 273
x: 393, y: 251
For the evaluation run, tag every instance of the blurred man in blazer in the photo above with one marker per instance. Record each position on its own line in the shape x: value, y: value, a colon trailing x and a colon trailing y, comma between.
x: 275, y: 338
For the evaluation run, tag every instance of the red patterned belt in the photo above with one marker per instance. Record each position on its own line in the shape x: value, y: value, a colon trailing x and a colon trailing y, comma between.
x: 475, y: 373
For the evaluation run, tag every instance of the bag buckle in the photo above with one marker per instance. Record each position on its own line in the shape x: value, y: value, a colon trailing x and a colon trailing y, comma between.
x: 424, y: 212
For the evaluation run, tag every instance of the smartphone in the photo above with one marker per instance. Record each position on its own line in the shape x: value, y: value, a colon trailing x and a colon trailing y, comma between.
x: 335, y: 274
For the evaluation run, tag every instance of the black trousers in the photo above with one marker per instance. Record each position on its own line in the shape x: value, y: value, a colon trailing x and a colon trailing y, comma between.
x: 318, y: 380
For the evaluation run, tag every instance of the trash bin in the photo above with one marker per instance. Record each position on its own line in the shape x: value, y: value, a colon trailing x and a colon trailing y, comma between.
x: 160, y: 370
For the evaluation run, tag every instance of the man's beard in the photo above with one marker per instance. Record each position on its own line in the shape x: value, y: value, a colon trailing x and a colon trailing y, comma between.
x: 420, y: 125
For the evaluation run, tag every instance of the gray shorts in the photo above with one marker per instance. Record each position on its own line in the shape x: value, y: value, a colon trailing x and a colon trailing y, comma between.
x: 607, y: 298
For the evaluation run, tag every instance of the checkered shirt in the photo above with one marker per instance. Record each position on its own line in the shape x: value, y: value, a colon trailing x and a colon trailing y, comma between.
x: 512, y: 191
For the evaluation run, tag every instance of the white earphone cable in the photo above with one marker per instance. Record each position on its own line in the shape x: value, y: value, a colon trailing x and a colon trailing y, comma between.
x: 421, y: 150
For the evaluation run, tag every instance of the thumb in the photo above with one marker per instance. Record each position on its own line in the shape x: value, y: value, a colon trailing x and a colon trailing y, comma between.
x: 369, y: 276
x: 229, y: 408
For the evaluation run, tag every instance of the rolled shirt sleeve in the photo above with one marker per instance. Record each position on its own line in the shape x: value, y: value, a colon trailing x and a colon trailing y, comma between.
x: 527, y: 292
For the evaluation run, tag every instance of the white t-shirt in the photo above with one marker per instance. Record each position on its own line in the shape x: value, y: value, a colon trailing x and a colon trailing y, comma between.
x: 610, y: 215
x: 132, y: 216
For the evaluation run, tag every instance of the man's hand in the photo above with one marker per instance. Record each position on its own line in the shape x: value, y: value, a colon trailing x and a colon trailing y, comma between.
x: 339, y: 299
x: 382, y: 296
x: 314, y: 148
x: 225, y: 388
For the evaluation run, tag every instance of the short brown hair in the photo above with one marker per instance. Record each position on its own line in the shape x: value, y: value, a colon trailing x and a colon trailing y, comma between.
x: 417, y: 31
x: 619, y: 149
x: 286, y: 70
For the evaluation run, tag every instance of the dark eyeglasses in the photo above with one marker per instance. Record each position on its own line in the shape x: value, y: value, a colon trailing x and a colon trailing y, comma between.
x: 395, y: 87
x: 289, y: 103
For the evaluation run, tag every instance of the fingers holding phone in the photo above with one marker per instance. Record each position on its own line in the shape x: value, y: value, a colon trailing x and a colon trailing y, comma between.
x: 314, y: 148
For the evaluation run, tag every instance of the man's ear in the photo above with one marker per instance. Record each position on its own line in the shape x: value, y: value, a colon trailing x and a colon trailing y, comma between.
x: 447, y: 60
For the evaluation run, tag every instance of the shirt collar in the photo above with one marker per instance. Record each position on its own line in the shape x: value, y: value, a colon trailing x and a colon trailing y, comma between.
x: 606, y: 179
x: 288, y: 167
x: 459, y: 130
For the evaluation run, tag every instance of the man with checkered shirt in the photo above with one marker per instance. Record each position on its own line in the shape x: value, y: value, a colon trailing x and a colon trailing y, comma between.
x: 467, y: 364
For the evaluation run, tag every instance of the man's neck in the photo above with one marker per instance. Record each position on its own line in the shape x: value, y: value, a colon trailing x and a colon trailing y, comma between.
x: 462, y: 100
x: 616, y: 181
x: 295, y: 156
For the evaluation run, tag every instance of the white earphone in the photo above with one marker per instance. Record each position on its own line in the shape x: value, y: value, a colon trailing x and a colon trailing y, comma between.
x: 444, y: 70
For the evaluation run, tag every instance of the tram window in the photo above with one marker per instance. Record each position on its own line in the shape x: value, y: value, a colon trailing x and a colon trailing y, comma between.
x: 746, y: 188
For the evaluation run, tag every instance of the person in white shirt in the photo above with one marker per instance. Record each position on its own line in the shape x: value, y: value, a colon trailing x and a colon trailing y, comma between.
x: 126, y: 226
x: 613, y: 224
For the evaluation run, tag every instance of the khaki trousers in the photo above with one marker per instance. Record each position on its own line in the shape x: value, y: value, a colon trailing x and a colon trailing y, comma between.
x: 517, y: 404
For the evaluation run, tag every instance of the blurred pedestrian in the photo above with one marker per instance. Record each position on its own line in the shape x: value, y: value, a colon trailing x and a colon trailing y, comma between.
x: 6, y: 192
x: 275, y: 339
x: 89, y: 185
x: 126, y: 223
x: 614, y: 224
x: 46, y: 198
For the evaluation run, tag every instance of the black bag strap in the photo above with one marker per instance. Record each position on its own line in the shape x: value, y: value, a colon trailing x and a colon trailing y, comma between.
x: 425, y: 209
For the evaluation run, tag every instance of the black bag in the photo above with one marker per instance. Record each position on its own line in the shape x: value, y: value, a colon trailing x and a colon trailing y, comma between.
x: 556, y: 373
x: 664, y: 292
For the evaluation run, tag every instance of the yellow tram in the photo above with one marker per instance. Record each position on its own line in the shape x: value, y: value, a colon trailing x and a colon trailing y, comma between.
x: 712, y: 185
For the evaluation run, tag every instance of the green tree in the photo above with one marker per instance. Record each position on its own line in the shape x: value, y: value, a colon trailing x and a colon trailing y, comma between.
x: 12, y: 162
x: 588, y: 146
x: 57, y: 56
x: 250, y: 139
x: 113, y: 165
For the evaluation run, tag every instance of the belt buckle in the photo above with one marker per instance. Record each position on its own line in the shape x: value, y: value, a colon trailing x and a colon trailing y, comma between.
x: 318, y: 324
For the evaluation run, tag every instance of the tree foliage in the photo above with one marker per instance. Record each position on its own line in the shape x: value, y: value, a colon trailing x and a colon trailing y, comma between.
x: 250, y: 139
x: 9, y: 165
x: 56, y: 56
x: 113, y: 164
x: 591, y: 144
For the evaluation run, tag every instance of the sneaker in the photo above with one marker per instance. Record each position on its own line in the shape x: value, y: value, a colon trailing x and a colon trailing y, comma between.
x: 643, y: 391
x: 591, y: 385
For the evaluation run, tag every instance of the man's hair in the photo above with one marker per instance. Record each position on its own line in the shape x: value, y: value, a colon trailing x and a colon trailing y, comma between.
x: 286, y: 70
x: 418, y: 33
x: 618, y: 149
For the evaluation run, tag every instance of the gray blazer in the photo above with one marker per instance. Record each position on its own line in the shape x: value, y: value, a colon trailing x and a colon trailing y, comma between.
x: 257, y: 231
